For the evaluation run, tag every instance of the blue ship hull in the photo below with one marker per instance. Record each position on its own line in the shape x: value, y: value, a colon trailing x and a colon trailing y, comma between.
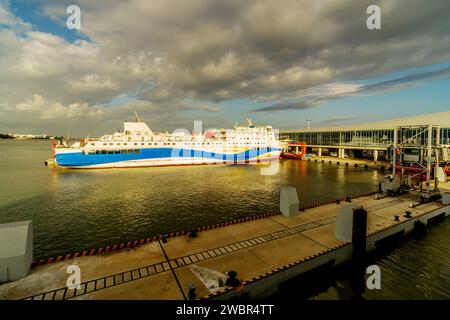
x: 158, y: 156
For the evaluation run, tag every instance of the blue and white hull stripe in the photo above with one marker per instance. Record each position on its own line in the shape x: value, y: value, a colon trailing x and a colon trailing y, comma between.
x: 157, y: 157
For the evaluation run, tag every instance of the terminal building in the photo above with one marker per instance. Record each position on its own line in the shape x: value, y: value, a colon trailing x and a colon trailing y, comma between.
x: 369, y: 140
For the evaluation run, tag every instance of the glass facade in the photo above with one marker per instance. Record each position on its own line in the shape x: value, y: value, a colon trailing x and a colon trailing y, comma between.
x: 364, y: 138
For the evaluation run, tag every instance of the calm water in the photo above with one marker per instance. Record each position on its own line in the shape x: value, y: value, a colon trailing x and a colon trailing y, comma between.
x: 82, y: 209
x: 75, y: 210
x: 417, y: 267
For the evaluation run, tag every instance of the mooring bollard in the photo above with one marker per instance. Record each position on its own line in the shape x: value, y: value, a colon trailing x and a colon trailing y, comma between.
x: 191, y: 293
x: 193, y: 234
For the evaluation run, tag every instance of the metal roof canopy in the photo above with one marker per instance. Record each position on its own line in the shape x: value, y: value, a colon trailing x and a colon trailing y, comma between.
x: 441, y: 119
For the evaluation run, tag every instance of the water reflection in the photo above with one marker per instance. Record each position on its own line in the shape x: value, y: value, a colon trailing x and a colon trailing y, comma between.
x: 77, y: 209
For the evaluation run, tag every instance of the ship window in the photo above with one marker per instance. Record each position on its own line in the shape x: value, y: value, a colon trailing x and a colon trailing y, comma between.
x: 103, y: 151
x: 110, y: 151
x: 92, y: 144
x: 125, y: 144
x: 124, y: 151
x: 117, y: 152
x: 111, y: 144
x: 118, y: 144
x: 173, y: 143
x: 91, y: 151
x: 135, y: 144
x: 142, y: 144
x: 137, y: 151
x: 97, y: 151
x: 104, y: 144
x: 130, y: 151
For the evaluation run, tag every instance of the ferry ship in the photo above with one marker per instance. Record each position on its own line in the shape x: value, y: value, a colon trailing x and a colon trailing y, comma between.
x: 139, y: 146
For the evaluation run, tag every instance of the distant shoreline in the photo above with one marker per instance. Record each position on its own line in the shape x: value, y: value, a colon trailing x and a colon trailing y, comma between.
x: 10, y: 137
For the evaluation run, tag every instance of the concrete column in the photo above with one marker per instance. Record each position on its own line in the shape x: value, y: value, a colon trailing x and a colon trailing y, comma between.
x: 343, y: 229
x: 375, y: 155
x: 341, y: 153
x: 320, y: 152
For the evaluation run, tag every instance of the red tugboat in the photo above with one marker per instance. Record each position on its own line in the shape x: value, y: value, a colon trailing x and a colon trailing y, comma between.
x: 294, y: 150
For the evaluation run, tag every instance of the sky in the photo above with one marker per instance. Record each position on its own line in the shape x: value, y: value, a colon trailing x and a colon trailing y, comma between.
x: 278, y: 62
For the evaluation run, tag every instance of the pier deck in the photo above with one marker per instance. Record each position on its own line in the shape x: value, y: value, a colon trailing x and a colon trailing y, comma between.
x: 164, y: 271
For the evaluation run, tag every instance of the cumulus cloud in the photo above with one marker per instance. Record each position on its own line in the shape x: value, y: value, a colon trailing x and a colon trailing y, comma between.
x: 93, y: 82
x: 173, y: 56
x: 45, y: 109
x: 340, y: 90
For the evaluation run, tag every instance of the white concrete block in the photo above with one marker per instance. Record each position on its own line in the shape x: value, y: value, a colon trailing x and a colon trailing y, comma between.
x: 344, y: 223
x: 16, y: 250
x: 445, y: 198
x: 441, y: 176
x: 289, y: 204
x: 391, y: 184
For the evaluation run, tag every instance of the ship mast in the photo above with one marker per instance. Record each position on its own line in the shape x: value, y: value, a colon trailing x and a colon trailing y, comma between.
x: 137, y: 117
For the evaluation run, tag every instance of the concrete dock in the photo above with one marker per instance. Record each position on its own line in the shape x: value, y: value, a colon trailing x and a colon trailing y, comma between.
x: 350, y: 162
x: 264, y: 253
